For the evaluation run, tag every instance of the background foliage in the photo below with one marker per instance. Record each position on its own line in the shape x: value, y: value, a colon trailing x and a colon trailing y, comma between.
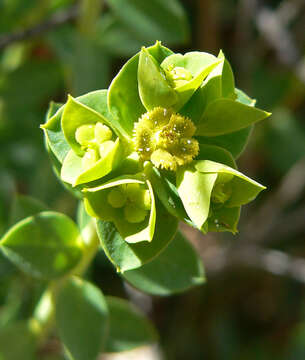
x: 252, y: 306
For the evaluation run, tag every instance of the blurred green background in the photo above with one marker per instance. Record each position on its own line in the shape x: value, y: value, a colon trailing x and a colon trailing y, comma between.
x: 252, y: 306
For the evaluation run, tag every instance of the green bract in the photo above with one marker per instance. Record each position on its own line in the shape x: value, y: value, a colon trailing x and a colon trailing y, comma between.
x: 226, y: 189
x: 95, y: 150
x: 127, y: 201
x: 159, y: 144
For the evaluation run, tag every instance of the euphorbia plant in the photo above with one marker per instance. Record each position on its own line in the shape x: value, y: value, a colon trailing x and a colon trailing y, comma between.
x: 158, y: 147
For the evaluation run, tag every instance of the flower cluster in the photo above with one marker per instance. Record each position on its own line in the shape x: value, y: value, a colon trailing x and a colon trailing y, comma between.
x: 162, y: 139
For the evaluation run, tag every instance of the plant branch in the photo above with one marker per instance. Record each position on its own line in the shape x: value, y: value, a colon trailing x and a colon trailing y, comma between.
x: 56, y: 20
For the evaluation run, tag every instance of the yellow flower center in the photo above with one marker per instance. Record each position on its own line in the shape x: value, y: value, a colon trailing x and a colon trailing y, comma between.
x: 165, y: 138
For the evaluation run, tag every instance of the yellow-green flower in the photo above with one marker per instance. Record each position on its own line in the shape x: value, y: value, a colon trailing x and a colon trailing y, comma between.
x: 165, y: 138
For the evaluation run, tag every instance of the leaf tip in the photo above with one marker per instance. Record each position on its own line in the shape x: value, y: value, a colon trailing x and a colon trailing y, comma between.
x: 221, y: 55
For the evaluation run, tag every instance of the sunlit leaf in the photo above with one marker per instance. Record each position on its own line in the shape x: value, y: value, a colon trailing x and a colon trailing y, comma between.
x: 45, y: 245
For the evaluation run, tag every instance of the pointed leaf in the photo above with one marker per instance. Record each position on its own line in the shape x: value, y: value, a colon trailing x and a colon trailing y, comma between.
x: 82, y: 318
x: 234, y: 142
x: 123, y: 95
x: 128, y: 327
x: 227, y: 78
x: 244, y: 98
x: 55, y: 136
x: 226, y: 116
x: 53, y: 108
x: 46, y: 245
x: 154, y: 89
x: 176, y: 269
x: 76, y: 114
x: 244, y: 189
x: 219, y: 83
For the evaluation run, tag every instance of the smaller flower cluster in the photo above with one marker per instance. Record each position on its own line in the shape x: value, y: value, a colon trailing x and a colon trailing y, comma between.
x: 134, y: 199
x: 95, y: 140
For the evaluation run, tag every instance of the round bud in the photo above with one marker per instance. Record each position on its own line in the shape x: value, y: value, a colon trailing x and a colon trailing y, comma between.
x: 141, y: 198
x: 134, y: 214
x: 131, y: 190
x: 85, y: 134
x: 102, y: 133
x: 116, y: 198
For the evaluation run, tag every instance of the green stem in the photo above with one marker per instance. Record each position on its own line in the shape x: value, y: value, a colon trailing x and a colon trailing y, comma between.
x: 42, y: 321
